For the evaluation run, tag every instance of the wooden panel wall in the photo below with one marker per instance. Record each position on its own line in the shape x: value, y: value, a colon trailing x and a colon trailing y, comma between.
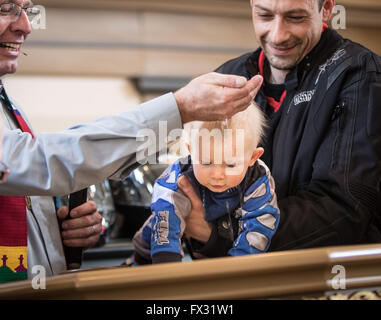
x: 159, y: 38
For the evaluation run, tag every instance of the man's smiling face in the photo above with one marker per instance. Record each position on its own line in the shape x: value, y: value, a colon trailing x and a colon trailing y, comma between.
x: 13, y: 32
x: 287, y: 30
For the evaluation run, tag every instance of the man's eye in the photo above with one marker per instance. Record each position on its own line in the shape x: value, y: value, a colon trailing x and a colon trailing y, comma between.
x: 296, y: 18
x: 205, y: 163
x: 265, y: 16
x: 6, y: 8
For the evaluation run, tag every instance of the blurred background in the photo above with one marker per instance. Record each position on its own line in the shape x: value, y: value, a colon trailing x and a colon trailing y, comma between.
x: 100, y: 57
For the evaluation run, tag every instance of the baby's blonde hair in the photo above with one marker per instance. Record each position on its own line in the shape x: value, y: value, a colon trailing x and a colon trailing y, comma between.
x: 251, y: 121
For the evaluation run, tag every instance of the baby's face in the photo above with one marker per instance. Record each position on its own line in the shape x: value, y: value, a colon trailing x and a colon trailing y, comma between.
x: 221, y: 166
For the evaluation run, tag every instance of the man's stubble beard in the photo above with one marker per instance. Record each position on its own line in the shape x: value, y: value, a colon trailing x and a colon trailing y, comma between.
x: 282, y: 66
x: 292, y: 60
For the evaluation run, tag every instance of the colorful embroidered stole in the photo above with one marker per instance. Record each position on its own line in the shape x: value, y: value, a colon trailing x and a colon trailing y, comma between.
x: 13, y: 221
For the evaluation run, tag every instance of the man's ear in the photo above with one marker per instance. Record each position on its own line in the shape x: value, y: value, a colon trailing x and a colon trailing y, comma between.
x: 188, y: 147
x: 258, y: 152
x: 327, y: 10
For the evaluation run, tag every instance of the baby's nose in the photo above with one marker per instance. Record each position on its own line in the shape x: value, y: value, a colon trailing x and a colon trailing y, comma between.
x: 218, y: 172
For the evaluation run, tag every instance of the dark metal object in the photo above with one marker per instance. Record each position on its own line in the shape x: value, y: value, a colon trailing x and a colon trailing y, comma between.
x: 74, y: 255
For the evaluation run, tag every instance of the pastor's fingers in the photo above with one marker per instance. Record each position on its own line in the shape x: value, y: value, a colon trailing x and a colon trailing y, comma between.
x: 255, y: 83
x: 62, y: 213
x: 82, y: 222
x: 227, y: 80
x: 84, y: 209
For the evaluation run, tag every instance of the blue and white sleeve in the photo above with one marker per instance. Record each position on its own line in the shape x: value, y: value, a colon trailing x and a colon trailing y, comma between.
x: 169, y: 208
x: 259, y: 217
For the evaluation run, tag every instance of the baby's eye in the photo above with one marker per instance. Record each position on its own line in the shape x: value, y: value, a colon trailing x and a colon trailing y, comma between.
x: 231, y: 165
x: 206, y: 163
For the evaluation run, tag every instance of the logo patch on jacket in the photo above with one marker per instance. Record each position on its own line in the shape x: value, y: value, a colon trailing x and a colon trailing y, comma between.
x: 304, y: 96
x: 336, y: 56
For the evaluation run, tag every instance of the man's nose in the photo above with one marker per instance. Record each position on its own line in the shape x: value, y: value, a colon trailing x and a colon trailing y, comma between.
x: 279, y: 33
x: 22, y: 24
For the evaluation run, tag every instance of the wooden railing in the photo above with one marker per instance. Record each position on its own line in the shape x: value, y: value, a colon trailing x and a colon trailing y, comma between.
x: 299, y: 273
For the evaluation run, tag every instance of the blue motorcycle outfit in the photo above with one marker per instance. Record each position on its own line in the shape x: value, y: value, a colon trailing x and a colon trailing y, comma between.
x: 252, y: 203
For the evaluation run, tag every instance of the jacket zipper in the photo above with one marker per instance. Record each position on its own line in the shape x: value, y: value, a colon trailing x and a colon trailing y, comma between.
x: 337, y: 112
x: 305, y: 72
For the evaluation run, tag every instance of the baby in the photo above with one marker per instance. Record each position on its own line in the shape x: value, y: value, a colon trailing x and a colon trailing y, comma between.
x: 227, y: 174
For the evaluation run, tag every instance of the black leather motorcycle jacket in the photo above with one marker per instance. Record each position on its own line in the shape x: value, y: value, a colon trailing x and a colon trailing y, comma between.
x: 323, y: 145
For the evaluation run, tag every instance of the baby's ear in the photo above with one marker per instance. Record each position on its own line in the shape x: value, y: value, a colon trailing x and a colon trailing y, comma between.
x: 258, y: 152
x: 188, y: 147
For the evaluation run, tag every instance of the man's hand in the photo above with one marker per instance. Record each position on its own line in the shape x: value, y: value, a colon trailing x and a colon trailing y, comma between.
x: 216, y: 96
x: 196, y: 225
x: 85, y: 227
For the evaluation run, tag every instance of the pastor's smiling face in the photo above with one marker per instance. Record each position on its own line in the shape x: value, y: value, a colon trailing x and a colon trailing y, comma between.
x: 13, y: 32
